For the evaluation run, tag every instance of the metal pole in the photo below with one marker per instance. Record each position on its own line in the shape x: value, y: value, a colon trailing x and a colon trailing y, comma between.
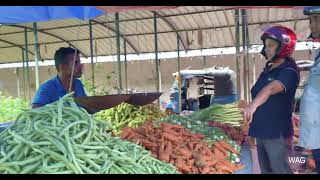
x: 18, y: 82
x: 36, y: 53
x: 49, y: 72
x: 253, y: 69
x: 125, y: 63
x: 237, y: 33
x: 244, y: 39
x: 91, y: 52
x: 204, y: 61
x: 27, y: 62
x: 118, y: 50
x: 158, y: 74
x: 179, y: 76
x: 23, y: 75
x: 248, y: 57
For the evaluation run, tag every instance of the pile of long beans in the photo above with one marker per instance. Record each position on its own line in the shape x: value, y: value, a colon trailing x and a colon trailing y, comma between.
x: 62, y: 138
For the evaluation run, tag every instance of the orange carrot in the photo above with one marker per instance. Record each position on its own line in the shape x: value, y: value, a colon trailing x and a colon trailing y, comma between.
x: 224, y: 169
x: 190, y: 145
x: 207, y: 150
x: 221, y: 148
x: 197, y: 147
x: 168, y: 148
x: 183, y: 168
x: 164, y: 156
x: 125, y: 134
x: 185, y: 152
x: 170, y: 137
x: 227, y: 164
x: 240, y: 166
x: 218, y: 154
x: 228, y: 147
x: 212, y: 162
x: 191, y: 162
x: 149, y: 145
x: 212, y: 171
x: 205, y: 170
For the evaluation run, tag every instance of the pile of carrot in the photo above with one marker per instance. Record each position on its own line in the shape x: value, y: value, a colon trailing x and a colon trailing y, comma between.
x: 188, y: 152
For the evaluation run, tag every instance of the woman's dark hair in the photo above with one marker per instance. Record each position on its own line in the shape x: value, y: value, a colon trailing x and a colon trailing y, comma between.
x: 60, y: 56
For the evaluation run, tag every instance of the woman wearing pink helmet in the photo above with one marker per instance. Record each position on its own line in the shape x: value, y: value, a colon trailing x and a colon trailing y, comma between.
x: 269, y: 114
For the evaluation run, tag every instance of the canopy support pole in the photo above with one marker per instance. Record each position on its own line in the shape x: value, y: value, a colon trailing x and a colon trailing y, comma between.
x: 248, y: 56
x: 237, y: 34
x: 49, y: 72
x: 245, y: 58
x: 27, y: 62
x: 118, y: 51
x: 204, y: 62
x: 125, y: 64
x: 23, y: 75
x: 91, y: 53
x: 158, y: 71
x: 36, y: 54
x: 18, y: 82
x: 179, y: 76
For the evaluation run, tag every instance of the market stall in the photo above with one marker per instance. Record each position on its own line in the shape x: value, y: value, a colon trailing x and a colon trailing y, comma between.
x: 126, y: 136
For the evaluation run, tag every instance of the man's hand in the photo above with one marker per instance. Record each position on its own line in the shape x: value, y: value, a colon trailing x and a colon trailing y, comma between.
x: 248, y: 112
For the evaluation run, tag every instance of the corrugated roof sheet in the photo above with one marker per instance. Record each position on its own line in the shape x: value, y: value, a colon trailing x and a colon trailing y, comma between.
x: 198, y: 26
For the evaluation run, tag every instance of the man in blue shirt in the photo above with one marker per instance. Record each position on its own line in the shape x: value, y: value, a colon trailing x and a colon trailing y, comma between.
x: 66, y: 60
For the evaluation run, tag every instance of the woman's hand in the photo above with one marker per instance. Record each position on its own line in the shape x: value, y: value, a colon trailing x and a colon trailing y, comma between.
x: 248, y: 112
x: 252, y: 142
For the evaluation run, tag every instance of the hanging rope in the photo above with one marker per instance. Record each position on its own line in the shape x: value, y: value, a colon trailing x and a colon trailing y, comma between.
x: 74, y: 59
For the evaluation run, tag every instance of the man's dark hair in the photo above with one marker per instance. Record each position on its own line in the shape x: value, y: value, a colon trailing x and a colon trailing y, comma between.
x: 60, y: 56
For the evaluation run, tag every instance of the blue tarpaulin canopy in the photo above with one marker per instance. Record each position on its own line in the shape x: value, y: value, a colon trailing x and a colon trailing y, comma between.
x: 30, y: 14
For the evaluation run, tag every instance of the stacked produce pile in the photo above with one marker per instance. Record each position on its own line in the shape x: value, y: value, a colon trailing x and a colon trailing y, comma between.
x: 126, y: 115
x: 60, y: 138
x: 228, y: 114
x: 175, y: 144
x: 212, y: 134
x: 235, y: 133
x: 10, y: 108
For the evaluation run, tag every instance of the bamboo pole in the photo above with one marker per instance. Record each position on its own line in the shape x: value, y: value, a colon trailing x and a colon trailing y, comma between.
x: 91, y: 53
x: 179, y: 76
x: 237, y: 34
x: 118, y: 51
x: 36, y: 54
x: 27, y: 62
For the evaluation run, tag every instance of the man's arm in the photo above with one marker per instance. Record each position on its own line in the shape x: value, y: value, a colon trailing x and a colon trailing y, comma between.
x: 36, y: 106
